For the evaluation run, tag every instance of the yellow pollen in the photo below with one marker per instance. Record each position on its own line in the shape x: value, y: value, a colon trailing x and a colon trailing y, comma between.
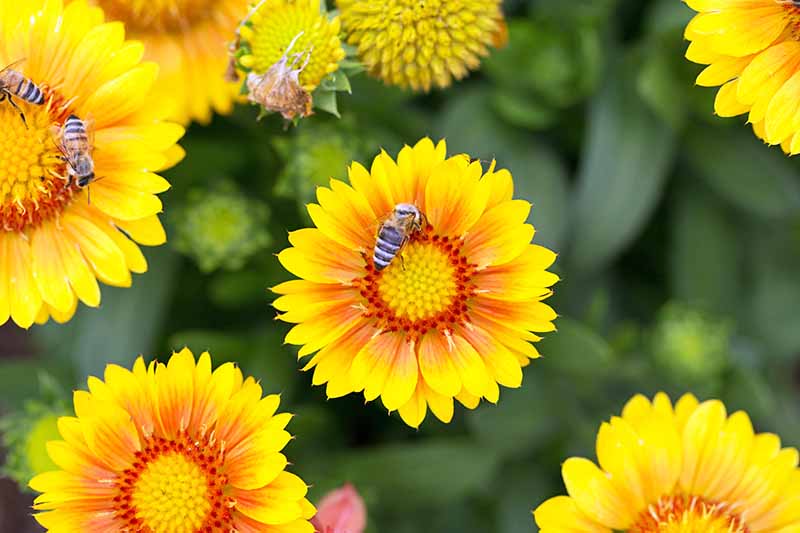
x: 420, y: 283
x: 171, y: 495
x: 31, y: 186
x: 688, y: 514
x: 153, y: 16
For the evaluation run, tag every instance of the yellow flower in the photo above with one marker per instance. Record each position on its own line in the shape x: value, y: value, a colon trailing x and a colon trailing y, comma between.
x: 189, y: 40
x: 752, y: 49
x: 687, y: 469
x: 276, y: 24
x: 172, y: 448
x: 452, y: 317
x: 56, y: 239
x: 419, y: 44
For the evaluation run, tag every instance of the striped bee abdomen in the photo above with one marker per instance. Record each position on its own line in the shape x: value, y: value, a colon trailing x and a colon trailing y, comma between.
x: 28, y: 91
x: 74, y: 129
x: 390, y: 239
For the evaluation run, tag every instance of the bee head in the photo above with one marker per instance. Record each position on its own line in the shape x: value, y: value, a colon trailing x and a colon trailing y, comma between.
x: 83, y: 181
x: 408, y: 211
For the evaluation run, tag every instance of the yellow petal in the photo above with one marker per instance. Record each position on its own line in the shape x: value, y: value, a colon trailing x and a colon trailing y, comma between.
x: 594, y: 494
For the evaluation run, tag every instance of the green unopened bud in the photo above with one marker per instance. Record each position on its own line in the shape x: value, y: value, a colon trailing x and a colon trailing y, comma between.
x: 25, y: 434
x: 690, y: 344
x: 316, y: 153
x: 220, y: 227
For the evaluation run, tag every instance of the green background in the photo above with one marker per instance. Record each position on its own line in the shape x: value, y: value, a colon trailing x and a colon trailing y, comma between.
x: 678, y: 236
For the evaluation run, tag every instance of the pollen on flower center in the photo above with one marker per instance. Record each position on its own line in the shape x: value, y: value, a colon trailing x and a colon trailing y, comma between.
x: 175, y: 486
x: 171, y: 495
x: 688, y: 514
x: 32, y: 183
x: 421, y: 284
x: 426, y: 287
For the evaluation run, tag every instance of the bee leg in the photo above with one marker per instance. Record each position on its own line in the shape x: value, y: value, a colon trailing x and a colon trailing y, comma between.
x: 21, y: 114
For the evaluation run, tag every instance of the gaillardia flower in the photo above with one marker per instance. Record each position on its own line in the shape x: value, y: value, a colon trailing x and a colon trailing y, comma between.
x: 172, y: 448
x: 450, y: 317
x: 420, y: 44
x: 690, y: 468
x: 278, y: 23
x: 752, y: 49
x: 58, y: 238
x: 189, y: 40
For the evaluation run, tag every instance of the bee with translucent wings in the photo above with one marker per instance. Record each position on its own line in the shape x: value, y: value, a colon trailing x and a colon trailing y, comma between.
x: 14, y: 84
x: 395, y: 232
x: 278, y: 89
x: 75, y: 139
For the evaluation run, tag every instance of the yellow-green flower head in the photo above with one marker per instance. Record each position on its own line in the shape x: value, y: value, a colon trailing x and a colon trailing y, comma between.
x: 416, y: 44
x: 690, y: 344
x: 314, y: 155
x: 25, y: 435
x: 220, y: 227
x: 276, y: 23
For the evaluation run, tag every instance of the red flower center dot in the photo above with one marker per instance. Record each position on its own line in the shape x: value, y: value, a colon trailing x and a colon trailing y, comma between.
x: 175, y: 486
x: 688, y: 514
x: 426, y: 287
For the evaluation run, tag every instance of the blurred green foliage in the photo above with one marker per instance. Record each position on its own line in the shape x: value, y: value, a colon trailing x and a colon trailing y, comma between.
x: 679, y: 246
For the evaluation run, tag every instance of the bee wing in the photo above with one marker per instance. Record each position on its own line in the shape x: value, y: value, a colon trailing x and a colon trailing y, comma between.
x: 10, y: 65
x: 56, y: 134
x: 89, y: 123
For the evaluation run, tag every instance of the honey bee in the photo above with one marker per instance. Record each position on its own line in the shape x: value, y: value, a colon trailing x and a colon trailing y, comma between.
x: 278, y: 89
x: 395, y: 232
x: 14, y: 83
x: 74, y: 139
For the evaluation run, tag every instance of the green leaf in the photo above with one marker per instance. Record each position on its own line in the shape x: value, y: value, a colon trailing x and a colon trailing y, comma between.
x: 125, y: 326
x: 575, y: 350
x: 705, y: 257
x: 623, y: 168
x: 740, y: 168
x: 326, y: 101
x: 336, y: 81
x: 18, y: 379
x: 520, y: 421
x: 431, y: 472
x: 523, y: 110
x: 661, y: 88
x: 775, y: 256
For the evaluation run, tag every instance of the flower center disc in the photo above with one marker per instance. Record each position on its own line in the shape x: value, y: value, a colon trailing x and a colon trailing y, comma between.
x: 688, y: 514
x: 175, y: 486
x: 152, y: 16
x: 172, y: 495
x: 425, y: 287
x: 32, y: 182
x: 421, y: 284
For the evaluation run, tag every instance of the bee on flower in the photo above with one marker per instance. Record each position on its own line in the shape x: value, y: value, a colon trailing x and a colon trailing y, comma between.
x: 55, y: 245
x: 419, y: 284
